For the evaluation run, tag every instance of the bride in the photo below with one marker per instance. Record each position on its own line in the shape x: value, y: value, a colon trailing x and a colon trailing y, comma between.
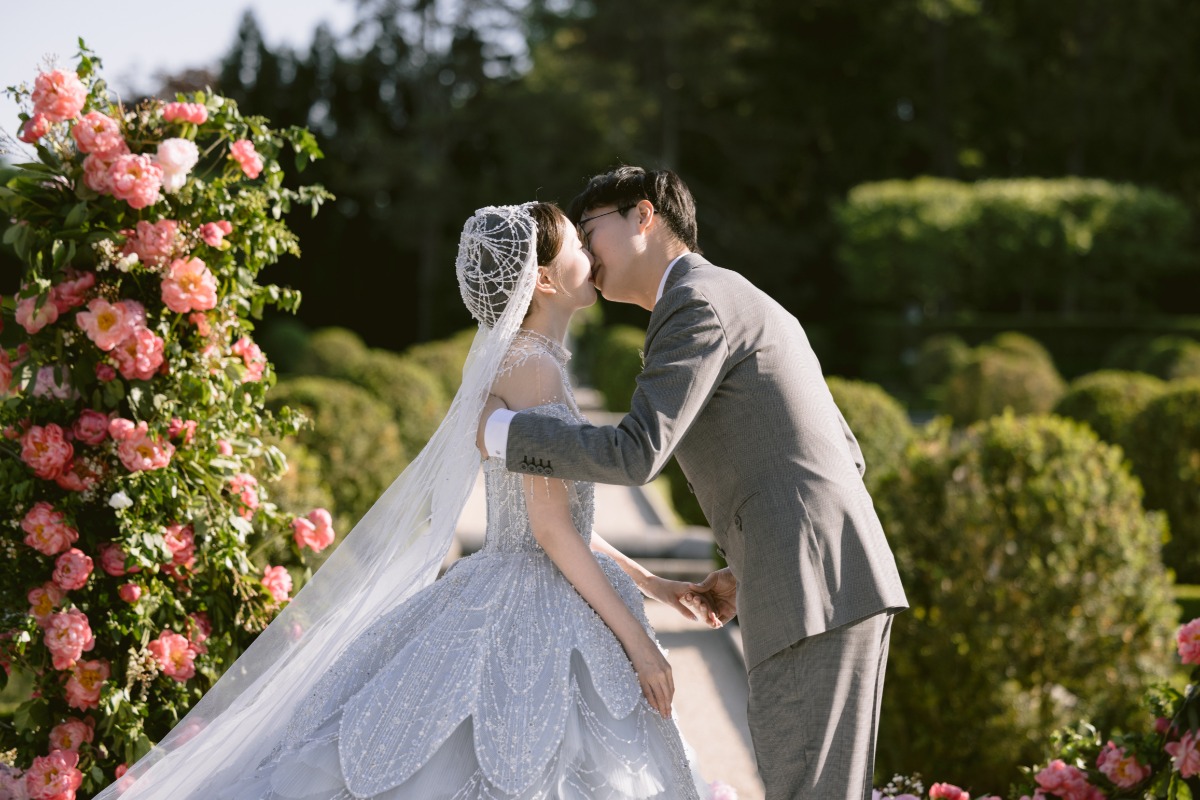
x: 529, y: 670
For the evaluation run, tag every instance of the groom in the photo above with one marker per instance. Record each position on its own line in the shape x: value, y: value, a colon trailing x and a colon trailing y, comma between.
x: 733, y: 390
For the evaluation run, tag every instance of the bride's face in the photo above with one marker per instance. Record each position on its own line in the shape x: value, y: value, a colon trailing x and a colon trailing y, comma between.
x: 572, y: 271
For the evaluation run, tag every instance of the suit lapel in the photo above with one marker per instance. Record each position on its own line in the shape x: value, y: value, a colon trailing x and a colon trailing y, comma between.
x: 682, y: 267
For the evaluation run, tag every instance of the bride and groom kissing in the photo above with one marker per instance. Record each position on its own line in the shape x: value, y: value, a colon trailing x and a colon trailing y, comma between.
x: 529, y: 670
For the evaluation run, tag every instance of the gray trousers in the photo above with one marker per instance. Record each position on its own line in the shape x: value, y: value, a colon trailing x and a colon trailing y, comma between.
x: 814, y: 713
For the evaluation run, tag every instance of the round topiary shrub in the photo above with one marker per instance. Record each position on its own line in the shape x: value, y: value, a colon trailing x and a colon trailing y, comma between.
x: 332, y: 353
x: 1172, y: 358
x: 1037, y: 595
x: 1019, y: 344
x: 878, y: 421
x: 940, y: 356
x: 995, y: 380
x: 445, y: 358
x: 1109, y: 400
x: 415, y: 396
x: 1164, y: 446
x: 353, y: 435
x: 617, y: 365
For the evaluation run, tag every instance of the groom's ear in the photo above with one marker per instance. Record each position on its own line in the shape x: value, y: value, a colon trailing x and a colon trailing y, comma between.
x: 646, y: 215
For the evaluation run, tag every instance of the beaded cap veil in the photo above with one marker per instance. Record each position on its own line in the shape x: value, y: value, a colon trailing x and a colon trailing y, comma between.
x: 394, y: 551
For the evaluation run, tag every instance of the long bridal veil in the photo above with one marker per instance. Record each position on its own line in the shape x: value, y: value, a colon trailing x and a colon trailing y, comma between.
x: 394, y: 551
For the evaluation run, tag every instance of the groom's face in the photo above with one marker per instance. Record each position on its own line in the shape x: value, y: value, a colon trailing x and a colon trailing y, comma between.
x: 608, y: 234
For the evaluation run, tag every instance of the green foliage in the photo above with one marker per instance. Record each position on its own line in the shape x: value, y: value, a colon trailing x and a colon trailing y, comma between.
x: 1108, y: 401
x: 1066, y: 244
x: 332, y: 352
x: 285, y: 341
x: 877, y: 420
x: 413, y: 393
x: 1169, y: 357
x: 995, y: 379
x: 1037, y: 595
x: 353, y: 435
x: 1164, y: 446
x: 444, y: 358
x: 165, y: 453
x: 618, y: 362
x: 940, y: 356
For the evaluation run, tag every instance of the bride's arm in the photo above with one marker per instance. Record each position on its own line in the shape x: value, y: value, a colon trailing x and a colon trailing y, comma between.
x: 677, y: 594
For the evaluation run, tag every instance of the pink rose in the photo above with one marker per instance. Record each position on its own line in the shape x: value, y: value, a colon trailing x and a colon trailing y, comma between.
x: 33, y: 317
x: 1186, y: 754
x: 34, y: 128
x: 176, y: 157
x: 97, y: 133
x: 140, y: 355
x: 199, y: 629
x: 224, y: 447
x: 1068, y: 782
x: 54, y: 777
x: 68, y: 635
x: 58, y: 95
x: 278, y: 582
x: 153, y: 243
x: 316, y: 531
x: 97, y: 169
x: 112, y: 559
x: 137, y: 449
x: 1188, y: 640
x: 136, y: 180
x: 46, y: 450
x: 189, y: 286
x: 214, y: 233
x: 91, y: 427
x: 71, y: 734
x: 194, y: 113
x: 79, y: 476
x: 948, y: 791
x: 129, y: 592
x: 1123, y: 770
x: 245, y: 487
x: 46, y: 530
x: 71, y: 569
x: 181, y: 541
x: 174, y: 655
x: 86, y: 681
x: 106, y: 324
x: 201, y: 322
x: 105, y: 372
x: 252, y: 357
x: 71, y: 292
x: 53, y: 381
x: 186, y: 428
x: 242, y: 151
x: 43, y: 600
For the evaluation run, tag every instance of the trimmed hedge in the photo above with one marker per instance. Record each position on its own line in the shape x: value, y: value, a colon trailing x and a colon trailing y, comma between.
x: 618, y: 362
x: 939, y: 357
x: 331, y: 352
x: 878, y: 421
x: 1037, y: 592
x: 1164, y: 446
x: 445, y: 358
x: 1170, y: 357
x: 1109, y: 400
x: 415, y: 396
x: 995, y: 380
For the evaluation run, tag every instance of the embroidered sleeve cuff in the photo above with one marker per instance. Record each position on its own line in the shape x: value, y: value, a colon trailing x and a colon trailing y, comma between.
x: 495, y: 434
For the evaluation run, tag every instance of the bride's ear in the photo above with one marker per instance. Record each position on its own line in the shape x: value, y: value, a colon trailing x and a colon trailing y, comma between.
x: 545, y: 283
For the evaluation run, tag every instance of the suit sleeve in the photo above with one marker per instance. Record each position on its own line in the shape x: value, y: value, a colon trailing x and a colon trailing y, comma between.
x: 852, y: 443
x: 686, y: 358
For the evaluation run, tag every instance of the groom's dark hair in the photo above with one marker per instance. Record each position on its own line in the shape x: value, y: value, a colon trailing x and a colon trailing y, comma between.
x: 625, y: 186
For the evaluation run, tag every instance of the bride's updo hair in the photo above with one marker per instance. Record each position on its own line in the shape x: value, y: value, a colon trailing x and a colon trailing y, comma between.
x: 495, y: 248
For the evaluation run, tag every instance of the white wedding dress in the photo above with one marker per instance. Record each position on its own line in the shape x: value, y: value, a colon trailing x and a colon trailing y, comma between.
x: 496, y: 681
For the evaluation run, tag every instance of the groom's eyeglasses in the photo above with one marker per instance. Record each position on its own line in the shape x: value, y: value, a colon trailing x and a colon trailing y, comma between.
x: 583, y: 234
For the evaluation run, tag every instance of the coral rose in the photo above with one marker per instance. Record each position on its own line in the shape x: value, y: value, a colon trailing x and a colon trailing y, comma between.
x: 136, y: 179
x: 112, y: 560
x: 97, y: 169
x: 43, y: 600
x: 54, y: 777
x: 58, y: 95
x: 86, y: 681
x: 97, y: 133
x: 1188, y: 640
x: 189, y: 286
x: 176, y: 157
x: 46, y: 530
x: 316, y: 531
x: 181, y: 541
x: 184, y: 428
x: 129, y: 592
x: 139, y: 355
x: 1185, y: 754
x: 194, y: 113
x: 106, y: 324
x: 278, y: 582
x: 245, y: 487
x: 72, y: 568
x: 947, y: 791
x: 1122, y: 769
x: 213, y: 233
x: 252, y: 357
x: 33, y: 317
x: 34, y: 128
x: 46, y: 450
x: 174, y: 655
x: 68, y: 635
x: 242, y: 151
x: 72, y: 733
x: 153, y: 242
x: 137, y: 449
x: 72, y: 292
x: 91, y: 427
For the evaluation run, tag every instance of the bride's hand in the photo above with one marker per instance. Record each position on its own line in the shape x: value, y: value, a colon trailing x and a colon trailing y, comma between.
x: 681, y: 596
x: 654, y: 674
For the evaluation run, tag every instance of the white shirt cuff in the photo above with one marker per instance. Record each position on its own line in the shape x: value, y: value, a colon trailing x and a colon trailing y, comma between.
x: 495, y: 434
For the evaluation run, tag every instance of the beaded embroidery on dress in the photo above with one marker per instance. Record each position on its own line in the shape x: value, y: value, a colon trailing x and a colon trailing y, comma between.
x: 496, y: 681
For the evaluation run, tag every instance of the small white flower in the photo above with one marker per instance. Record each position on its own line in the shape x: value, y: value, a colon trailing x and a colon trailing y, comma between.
x: 120, y: 500
x: 127, y: 263
x: 176, y: 157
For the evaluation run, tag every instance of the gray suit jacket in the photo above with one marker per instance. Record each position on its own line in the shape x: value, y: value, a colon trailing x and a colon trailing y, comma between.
x: 732, y: 388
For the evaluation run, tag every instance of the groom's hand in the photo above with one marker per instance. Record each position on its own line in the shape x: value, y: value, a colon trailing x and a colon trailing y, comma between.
x: 719, y: 593
x: 492, y: 405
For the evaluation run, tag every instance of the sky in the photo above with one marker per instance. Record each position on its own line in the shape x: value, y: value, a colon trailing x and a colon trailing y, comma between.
x: 138, y: 39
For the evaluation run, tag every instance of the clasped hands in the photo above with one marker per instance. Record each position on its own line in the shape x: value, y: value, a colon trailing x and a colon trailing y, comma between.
x: 712, y: 601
